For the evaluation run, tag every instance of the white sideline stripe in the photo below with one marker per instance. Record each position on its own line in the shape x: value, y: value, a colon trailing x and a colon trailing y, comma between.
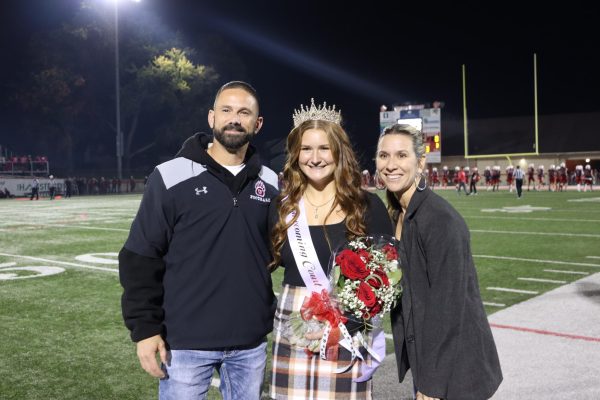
x: 595, y: 257
x: 501, y: 289
x: 538, y: 261
x: 31, y: 226
x: 591, y: 235
x: 60, y: 262
x: 532, y: 219
x: 558, y: 271
x: 487, y: 303
x: 540, y: 280
x: 86, y: 227
x: 8, y: 264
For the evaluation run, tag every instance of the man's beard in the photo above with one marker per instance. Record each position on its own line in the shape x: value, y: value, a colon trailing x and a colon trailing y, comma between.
x: 232, y: 143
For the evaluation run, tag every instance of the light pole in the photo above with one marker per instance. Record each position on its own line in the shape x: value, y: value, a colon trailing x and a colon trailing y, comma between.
x: 118, y: 96
x: 119, y: 144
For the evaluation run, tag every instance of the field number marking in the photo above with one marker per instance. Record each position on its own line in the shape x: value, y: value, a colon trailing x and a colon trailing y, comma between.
x: 12, y: 273
x: 99, y: 258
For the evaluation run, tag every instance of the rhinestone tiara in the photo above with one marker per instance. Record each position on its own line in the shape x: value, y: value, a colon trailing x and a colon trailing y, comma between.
x: 321, y: 113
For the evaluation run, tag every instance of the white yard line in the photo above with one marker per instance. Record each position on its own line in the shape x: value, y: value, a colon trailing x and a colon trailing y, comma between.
x: 487, y: 303
x: 501, y: 289
x: 590, y: 235
x: 594, y: 257
x: 91, y: 227
x: 96, y: 228
x: 558, y: 271
x: 60, y: 262
x: 8, y: 264
x: 537, y: 260
x: 531, y: 219
x: 541, y: 280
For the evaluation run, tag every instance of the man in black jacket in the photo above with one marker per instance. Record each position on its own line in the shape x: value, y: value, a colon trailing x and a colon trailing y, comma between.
x: 197, y: 291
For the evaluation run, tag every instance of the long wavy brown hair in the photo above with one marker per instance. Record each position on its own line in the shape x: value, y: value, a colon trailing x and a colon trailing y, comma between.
x: 349, y: 196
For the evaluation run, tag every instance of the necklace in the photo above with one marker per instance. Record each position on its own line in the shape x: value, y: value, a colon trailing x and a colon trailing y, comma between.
x: 319, y: 206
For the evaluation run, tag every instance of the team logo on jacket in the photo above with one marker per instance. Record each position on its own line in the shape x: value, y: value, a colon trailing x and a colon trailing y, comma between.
x: 261, y: 190
x: 198, y: 191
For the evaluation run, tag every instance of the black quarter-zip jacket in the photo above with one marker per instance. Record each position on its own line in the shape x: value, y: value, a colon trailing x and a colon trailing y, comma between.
x: 194, y: 267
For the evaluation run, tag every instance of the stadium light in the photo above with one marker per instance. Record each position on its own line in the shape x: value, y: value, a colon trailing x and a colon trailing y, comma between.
x: 587, y: 160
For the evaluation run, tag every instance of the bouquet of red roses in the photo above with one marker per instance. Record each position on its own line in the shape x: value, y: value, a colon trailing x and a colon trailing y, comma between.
x: 365, y: 284
x: 366, y: 277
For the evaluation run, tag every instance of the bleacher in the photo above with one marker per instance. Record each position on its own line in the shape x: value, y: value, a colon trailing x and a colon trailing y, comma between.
x: 24, y: 165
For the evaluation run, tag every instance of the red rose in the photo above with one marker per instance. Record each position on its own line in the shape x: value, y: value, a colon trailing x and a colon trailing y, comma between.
x: 351, y: 265
x: 364, y: 255
x: 366, y: 294
x: 375, y: 309
x: 377, y: 283
x: 390, y: 252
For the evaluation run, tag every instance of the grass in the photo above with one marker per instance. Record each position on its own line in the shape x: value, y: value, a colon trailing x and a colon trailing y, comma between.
x: 63, y: 334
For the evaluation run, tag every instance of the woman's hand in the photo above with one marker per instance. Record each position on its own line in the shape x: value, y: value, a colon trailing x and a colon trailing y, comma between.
x: 421, y: 396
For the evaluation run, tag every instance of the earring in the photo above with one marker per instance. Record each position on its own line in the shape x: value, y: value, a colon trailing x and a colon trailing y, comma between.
x: 422, y: 178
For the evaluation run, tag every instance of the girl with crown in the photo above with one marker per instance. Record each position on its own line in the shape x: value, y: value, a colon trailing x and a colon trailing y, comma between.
x: 322, y: 206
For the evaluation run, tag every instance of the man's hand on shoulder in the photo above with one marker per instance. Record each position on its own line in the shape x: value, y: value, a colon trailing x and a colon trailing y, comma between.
x: 146, y: 352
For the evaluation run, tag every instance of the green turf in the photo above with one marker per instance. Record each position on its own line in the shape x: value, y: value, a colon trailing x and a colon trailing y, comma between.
x: 63, y: 334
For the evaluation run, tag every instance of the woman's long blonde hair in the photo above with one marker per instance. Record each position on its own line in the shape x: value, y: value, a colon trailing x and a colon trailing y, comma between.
x: 349, y: 196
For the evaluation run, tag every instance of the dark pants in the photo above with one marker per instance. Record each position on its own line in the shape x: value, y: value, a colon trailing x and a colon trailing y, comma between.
x: 519, y: 184
x: 52, y: 191
x: 473, y: 187
x: 34, y: 192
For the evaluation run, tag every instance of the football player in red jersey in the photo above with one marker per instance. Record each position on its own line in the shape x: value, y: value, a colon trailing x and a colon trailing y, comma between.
x: 445, y: 176
x: 531, y: 176
x: 365, y: 179
x: 496, y: 178
x: 540, y: 177
x: 563, y: 177
x: 552, y: 178
x: 487, y: 174
x: 588, y: 178
x: 435, y: 178
x: 510, y: 170
x: 579, y: 176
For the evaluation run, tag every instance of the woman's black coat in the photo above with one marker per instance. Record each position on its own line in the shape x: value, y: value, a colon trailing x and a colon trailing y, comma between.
x: 441, y: 331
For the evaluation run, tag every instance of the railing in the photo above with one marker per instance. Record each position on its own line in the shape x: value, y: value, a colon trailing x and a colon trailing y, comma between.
x: 27, y: 168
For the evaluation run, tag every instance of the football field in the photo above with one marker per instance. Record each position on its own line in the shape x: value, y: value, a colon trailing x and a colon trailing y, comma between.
x: 63, y: 335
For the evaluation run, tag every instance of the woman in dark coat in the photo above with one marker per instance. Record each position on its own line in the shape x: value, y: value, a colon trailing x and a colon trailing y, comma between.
x: 440, y: 329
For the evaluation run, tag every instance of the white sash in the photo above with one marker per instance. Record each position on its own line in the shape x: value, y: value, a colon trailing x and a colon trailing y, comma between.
x: 305, y: 254
x: 314, y: 278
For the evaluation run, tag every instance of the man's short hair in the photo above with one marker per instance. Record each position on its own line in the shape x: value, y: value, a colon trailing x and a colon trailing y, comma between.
x: 238, y: 85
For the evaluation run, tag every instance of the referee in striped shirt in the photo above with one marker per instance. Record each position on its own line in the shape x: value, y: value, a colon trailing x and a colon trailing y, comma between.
x: 519, y: 175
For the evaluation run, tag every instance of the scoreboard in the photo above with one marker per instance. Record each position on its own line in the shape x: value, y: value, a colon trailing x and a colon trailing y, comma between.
x: 427, y: 120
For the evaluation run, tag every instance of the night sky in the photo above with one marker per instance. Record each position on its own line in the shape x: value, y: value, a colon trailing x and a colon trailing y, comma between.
x: 378, y: 53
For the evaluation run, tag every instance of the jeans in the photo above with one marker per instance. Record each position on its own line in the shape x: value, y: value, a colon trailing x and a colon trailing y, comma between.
x: 189, y: 373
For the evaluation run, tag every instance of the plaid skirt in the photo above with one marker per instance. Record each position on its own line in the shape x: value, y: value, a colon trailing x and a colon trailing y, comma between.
x: 297, y: 375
